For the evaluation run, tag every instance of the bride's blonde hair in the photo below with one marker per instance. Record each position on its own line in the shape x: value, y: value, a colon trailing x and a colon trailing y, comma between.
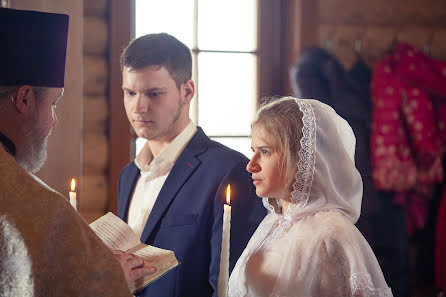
x: 282, y: 119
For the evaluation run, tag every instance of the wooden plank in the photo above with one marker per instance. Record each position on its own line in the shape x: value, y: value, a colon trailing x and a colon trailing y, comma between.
x: 94, y: 194
x: 95, y: 7
x: 95, y: 76
x: 383, y: 12
x: 377, y: 41
x: 95, y: 114
x: 341, y: 42
x: 418, y: 36
x: 437, y: 46
x: 95, y: 36
x: 95, y: 154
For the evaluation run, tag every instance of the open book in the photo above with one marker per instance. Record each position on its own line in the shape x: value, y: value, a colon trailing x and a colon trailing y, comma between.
x: 117, y: 235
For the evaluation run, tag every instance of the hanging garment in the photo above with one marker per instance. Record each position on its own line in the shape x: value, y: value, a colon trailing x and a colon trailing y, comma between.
x: 440, y: 245
x: 424, y: 267
x: 408, y: 138
x: 405, y: 142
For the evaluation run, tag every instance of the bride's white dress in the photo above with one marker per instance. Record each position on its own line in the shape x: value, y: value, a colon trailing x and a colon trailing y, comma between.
x: 314, y: 249
x: 320, y: 255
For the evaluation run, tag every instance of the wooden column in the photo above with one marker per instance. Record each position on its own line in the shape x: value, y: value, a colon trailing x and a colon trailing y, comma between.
x: 270, y: 46
x: 95, y: 142
x: 121, y: 31
x: 301, y: 28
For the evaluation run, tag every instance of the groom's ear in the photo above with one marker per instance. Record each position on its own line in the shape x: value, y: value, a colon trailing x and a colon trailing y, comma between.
x: 187, y: 91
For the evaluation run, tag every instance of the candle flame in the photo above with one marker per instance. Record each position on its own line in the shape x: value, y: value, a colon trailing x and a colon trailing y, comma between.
x: 228, y: 194
x: 73, y: 185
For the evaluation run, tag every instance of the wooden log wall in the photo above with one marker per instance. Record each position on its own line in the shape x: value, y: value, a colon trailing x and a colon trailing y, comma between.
x: 376, y: 25
x: 95, y: 192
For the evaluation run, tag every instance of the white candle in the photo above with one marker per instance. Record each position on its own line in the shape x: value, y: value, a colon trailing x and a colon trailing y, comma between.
x: 223, y: 277
x: 72, y: 194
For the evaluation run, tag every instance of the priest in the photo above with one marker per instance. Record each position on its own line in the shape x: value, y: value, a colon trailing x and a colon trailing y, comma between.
x: 46, y: 248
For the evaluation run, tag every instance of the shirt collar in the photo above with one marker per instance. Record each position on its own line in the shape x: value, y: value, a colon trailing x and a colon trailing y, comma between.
x: 8, y: 144
x: 145, y: 162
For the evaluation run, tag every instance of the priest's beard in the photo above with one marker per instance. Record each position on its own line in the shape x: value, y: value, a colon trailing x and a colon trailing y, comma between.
x: 32, y: 155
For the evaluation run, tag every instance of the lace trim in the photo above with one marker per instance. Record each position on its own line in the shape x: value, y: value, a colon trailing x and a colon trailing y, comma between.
x: 267, y: 205
x: 304, y: 175
x: 307, y: 156
x: 362, y: 285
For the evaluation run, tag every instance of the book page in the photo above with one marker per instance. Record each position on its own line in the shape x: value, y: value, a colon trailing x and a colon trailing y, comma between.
x: 115, y: 233
x: 150, y: 253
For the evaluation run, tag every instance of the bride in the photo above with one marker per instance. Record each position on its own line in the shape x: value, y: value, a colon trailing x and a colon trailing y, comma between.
x: 307, y: 245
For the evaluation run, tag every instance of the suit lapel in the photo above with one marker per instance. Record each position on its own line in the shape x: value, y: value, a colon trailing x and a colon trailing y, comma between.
x: 127, y: 192
x: 183, y: 168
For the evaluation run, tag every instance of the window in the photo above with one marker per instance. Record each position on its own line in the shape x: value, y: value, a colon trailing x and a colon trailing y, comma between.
x: 223, y: 38
x: 4, y: 3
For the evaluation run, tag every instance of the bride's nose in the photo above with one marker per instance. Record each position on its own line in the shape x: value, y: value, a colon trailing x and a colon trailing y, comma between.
x: 253, y: 166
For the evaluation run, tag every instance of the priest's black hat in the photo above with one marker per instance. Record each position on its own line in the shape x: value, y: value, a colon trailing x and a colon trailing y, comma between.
x: 33, y: 48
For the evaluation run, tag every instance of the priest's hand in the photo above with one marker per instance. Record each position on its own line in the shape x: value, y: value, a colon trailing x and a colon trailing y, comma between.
x: 134, y: 267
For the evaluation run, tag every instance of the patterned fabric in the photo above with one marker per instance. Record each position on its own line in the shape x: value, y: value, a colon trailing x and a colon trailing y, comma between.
x: 409, y: 102
x: 408, y: 131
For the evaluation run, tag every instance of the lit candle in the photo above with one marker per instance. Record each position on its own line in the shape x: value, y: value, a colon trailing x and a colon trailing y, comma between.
x: 73, y: 193
x: 223, y: 277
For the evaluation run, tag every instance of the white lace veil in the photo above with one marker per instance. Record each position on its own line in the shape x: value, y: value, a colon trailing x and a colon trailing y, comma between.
x: 327, y: 187
x: 327, y: 178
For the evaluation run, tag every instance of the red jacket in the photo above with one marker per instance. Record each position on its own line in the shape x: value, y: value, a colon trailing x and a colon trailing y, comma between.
x: 408, y: 128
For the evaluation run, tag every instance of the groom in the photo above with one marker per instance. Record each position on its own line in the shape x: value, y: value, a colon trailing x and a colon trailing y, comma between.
x: 172, y: 194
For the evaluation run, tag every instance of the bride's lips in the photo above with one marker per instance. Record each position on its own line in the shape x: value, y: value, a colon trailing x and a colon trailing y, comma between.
x: 256, y: 181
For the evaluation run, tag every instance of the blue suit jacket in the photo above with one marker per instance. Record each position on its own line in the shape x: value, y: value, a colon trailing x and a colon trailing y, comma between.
x: 188, y: 215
